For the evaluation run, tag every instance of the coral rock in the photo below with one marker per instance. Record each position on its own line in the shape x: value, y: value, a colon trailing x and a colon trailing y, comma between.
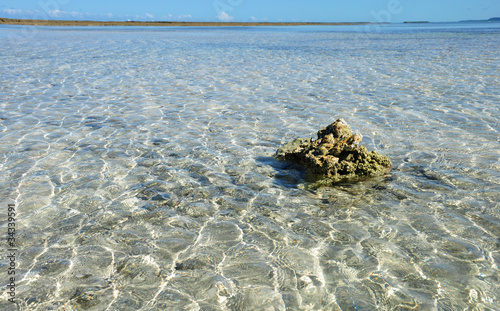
x: 335, y: 155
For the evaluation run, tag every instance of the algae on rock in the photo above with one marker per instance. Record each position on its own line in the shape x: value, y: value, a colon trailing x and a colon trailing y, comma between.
x: 334, y: 156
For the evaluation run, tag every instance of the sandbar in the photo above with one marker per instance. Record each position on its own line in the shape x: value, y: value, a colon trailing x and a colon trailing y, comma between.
x: 42, y: 22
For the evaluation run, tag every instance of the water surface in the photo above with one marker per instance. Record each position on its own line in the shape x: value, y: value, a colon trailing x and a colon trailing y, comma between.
x: 141, y: 163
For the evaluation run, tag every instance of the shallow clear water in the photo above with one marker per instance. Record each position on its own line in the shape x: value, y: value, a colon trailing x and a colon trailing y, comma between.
x: 140, y: 161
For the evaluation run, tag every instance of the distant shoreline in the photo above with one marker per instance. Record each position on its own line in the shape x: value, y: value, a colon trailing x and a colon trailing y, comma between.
x: 41, y: 22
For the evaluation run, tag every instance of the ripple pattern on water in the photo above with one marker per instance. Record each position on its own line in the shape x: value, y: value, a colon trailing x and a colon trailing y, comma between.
x: 141, y: 164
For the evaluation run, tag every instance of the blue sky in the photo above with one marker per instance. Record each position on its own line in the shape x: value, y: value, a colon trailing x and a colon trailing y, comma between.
x: 253, y: 10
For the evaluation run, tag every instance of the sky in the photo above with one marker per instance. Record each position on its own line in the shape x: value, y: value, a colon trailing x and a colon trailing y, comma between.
x: 394, y: 11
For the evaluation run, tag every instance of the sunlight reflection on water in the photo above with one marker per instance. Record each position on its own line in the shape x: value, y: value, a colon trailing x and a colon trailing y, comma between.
x: 142, y: 166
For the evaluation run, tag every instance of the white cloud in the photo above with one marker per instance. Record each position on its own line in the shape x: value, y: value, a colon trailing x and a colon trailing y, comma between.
x: 54, y: 13
x: 182, y: 17
x: 255, y: 19
x: 224, y: 17
x: 12, y: 12
x: 72, y: 15
x: 59, y: 13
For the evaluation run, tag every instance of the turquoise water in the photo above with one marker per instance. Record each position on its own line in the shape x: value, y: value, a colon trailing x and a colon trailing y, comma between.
x: 140, y: 162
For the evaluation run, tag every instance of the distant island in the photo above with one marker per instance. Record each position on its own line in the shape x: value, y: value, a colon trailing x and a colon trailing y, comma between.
x: 416, y: 22
x: 491, y: 20
x: 41, y: 22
